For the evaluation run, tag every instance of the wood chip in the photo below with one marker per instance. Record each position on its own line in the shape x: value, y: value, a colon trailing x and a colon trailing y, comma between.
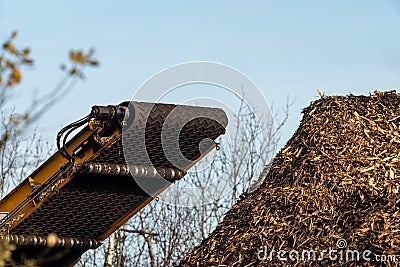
x: 337, y: 177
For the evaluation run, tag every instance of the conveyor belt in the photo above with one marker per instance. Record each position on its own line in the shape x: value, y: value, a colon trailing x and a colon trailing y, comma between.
x: 90, y: 196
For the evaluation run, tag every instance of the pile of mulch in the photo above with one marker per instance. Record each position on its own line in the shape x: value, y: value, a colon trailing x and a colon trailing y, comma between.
x: 334, y: 185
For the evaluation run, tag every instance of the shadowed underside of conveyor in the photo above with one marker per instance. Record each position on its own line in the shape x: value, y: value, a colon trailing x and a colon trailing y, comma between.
x: 88, y: 189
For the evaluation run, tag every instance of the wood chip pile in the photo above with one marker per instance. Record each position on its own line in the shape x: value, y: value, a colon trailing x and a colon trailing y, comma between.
x: 336, y: 179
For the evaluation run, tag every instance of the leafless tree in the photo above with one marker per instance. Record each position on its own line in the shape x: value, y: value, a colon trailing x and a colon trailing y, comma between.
x: 21, y: 148
x: 162, y: 233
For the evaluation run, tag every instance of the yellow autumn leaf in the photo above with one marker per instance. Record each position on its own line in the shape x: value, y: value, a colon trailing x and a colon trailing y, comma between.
x: 72, y: 56
x: 81, y: 57
x: 28, y: 61
x: 77, y: 57
x: 13, y: 34
x: 93, y: 62
x: 16, y: 75
x: 26, y: 51
x: 11, y: 48
x: 14, y: 120
x: 73, y: 71
x: 9, y: 64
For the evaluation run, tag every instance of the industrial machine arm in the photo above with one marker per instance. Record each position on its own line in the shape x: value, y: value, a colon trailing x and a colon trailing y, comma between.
x: 96, y: 181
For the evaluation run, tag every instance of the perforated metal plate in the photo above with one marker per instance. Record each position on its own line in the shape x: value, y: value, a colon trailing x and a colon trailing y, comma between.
x: 88, y: 205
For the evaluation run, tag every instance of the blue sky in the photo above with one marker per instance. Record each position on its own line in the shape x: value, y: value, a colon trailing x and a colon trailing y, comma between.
x: 286, y: 47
